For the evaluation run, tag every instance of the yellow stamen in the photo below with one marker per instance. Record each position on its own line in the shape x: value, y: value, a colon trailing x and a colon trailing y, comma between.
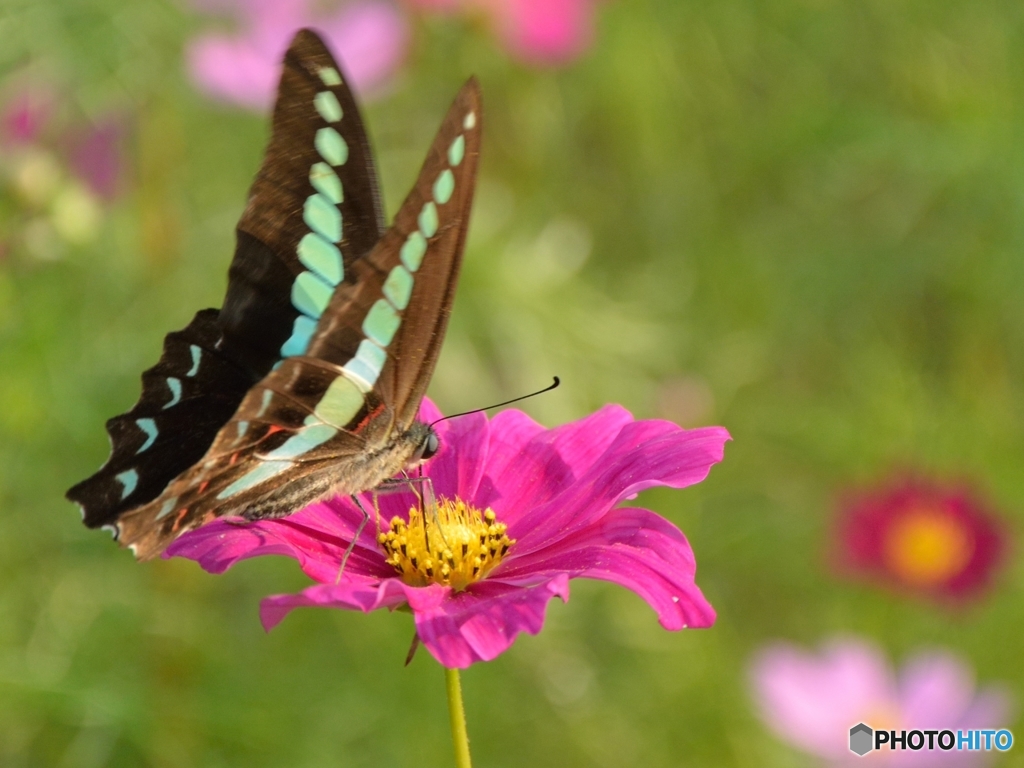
x: 928, y: 546
x: 454, y: 544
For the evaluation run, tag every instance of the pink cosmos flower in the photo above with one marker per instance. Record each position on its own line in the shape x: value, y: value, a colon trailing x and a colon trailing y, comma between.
x: 544, y: 501
x: 812, y: 700
x: 369, y: 36
x: 538, y: 32
x: 917, y: 535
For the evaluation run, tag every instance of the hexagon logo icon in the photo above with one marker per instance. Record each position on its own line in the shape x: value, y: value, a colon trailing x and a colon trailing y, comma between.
x: 861, y: 739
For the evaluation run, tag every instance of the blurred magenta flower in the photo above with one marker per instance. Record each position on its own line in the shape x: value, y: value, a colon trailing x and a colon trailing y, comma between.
x: 368, y: 36
x: 915, y: 534
x: 25, y: 115
x: 812, y: 700
x: 538, y: 32
x: 97, y: 158
x: 522, y: 510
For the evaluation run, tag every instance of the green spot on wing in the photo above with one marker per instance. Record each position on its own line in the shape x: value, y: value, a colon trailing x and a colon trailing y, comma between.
x: 331, y: 146
x: 457, y: 151
x: 381, y: 323
x: 310, y: 294
x: 398, y: 287
x: 322, y: 217
x: 322, y: 257
x: 413, y: 250
x: 327, y: 105
x: 329, y: 76
x: 326, y: 182
x: 428, y: 220
x: 444, y: 186
x: 340, y: 403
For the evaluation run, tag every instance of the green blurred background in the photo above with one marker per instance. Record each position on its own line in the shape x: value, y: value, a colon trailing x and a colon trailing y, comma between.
x: 802, y: 220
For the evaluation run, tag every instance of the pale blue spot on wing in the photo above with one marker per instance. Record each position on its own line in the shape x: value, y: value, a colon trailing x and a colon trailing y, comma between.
x: 322, y: 217
x: 325, y: 181
x: 302, y: 333
x: 398, y: 287
x: 327, y: 105
x: 174, y: 385
x: 457, y: 151
x: 310, y: 294
x: 149, y: 427
x: 197, y: 353
x: 362, y: 375
x: 242, y: 427
x: 322, y: 257
x: 340, y: 403
x: 331, y: 146
x: 444, y: 186
x: 264, y: 471
x: 128, y: 479
x: 381, y: 323
x: 365, y: 367
x: 428, y: 220
x: 413, y: 250
x: 267, y: 397
x: 165, y: 510
x: 329, y: 76
x: 303, y: 441
x: 372, y: 355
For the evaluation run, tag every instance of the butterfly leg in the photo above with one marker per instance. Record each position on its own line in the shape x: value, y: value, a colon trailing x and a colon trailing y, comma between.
x: 355, y: 537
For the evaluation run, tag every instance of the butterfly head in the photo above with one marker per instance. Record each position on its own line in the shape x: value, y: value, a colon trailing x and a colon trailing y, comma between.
x: 426, y: 443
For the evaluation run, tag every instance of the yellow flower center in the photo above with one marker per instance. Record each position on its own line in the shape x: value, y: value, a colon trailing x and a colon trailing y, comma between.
x: 454, y: 545
x: 928, y: 546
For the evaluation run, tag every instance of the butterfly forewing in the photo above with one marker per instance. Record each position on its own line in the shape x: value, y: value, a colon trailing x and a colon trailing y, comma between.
x: 312, y: 211
x: 338, y: 418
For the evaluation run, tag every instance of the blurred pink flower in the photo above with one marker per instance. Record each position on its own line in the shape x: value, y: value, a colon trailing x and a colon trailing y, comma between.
x: 920, y: 536
x: 368, y: 36
x: 97, y: 158
x: 538, y: 32
x: 481, y: 577
x: 812, y: 701
x: 25, y: 116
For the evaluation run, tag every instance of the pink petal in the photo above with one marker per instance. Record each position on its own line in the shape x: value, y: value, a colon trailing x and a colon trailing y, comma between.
x: 546, y: 32
x: 482, y: 622
x: 634, y: 548
x: 347, y: 595
x: 524, y: 476
x: 462, y: 458
x: 233, y: 71
x: 316, y: 537
x: 644, y: 454
x: 813, y: 700
x: 935, y: 688
x: 370, y: 38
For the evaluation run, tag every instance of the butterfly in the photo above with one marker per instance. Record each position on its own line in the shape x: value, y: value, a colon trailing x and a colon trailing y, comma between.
x: 307, y: 382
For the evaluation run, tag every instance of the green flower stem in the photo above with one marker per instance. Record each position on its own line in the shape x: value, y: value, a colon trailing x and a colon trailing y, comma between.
x: 457, y: 715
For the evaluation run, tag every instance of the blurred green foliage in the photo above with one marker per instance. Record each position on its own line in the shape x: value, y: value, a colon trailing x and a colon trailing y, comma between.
x: 803, y: 220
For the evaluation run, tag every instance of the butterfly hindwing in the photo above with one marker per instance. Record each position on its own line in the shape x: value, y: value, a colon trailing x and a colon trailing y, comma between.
x: 186, y: 398
x: 318, y: 172
x: 334, y: 420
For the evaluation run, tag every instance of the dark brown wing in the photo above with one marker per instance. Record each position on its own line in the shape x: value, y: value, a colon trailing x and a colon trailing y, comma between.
x: 318, y: 171
x: 339, y: 417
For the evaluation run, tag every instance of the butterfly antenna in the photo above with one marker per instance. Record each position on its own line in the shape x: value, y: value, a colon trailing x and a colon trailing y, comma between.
x: 548, y: 388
